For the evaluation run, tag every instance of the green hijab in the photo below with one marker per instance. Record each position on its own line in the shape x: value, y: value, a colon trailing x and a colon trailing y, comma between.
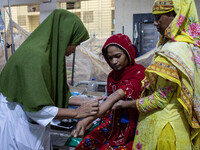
x: 35, y: 75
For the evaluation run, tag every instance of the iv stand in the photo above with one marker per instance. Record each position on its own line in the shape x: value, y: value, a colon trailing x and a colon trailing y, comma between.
x: 11, y: 29
x: 5, y: 42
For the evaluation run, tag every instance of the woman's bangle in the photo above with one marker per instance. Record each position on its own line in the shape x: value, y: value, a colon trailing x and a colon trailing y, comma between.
x: 70, y: 96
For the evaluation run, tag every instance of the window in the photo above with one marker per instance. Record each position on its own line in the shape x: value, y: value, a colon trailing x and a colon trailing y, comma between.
x: 88, y: 16
x: 98, y: 16
x: 73, y: 5
x: 21, y: 20
x: 33, y: 8
x: 113, y: 19
x: 112, y: 3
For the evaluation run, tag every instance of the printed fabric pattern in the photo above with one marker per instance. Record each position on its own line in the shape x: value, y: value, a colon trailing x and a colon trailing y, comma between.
x: 98, y: 139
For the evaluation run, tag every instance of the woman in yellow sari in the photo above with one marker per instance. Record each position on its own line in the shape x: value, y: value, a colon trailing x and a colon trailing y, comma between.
x: 170, y: 103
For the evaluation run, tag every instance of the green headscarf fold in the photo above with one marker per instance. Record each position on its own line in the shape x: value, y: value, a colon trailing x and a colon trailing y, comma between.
x: 35, y: 75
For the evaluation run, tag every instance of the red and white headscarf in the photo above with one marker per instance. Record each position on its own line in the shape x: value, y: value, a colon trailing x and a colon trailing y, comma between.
x: 129, y: 78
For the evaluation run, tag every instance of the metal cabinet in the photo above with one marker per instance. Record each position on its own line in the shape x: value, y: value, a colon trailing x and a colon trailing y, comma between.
x: 145, y: 34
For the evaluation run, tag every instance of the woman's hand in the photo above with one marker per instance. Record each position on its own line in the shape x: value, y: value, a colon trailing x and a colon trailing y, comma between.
x: 124, y: 104
x: 119, y: 104
x: 90, y: 107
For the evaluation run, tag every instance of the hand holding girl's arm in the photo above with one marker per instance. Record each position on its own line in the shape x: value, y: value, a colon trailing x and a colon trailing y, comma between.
x: 104, y: 107
x: 88, y: 108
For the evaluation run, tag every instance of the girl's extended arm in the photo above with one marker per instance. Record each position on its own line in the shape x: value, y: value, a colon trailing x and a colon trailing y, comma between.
x: 77, y: 100
x: 104, y: 107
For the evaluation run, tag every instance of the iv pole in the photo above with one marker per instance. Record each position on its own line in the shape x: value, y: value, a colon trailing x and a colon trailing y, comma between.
x: 11, y: 29
x: 5, y: 42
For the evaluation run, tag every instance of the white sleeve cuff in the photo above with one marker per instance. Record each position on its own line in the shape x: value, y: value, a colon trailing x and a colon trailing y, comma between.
x: 44, y: 116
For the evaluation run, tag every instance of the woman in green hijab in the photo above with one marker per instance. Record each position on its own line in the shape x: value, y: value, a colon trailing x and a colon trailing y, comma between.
x: 33, y: 85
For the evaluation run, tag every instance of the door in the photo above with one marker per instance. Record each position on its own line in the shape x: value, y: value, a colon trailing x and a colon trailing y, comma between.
x: 145, y: 34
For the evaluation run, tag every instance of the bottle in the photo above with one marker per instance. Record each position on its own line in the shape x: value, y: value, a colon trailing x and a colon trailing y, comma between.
x: 92, y: 86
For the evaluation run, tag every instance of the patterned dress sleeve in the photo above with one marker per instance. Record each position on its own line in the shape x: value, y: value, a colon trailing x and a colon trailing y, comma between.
x: 160, y: 98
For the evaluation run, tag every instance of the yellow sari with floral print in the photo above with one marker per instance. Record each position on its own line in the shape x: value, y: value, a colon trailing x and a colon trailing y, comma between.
x: 170, y: 104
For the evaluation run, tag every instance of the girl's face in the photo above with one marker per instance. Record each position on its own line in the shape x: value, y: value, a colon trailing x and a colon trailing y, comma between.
x: 162, y: 21
x: 117, y: 58
x: 70, y: 49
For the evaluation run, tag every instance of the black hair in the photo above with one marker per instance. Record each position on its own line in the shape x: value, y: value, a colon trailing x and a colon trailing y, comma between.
x: 171, y: 13
x: 105, y: 52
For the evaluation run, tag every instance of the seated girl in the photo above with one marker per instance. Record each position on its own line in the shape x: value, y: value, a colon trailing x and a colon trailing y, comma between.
x: 117, y: 127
